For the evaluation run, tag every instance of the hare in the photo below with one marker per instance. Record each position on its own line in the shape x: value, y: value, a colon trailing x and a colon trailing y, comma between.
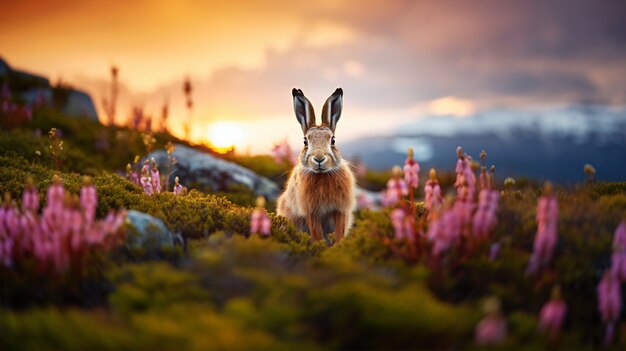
x: 320, y: 194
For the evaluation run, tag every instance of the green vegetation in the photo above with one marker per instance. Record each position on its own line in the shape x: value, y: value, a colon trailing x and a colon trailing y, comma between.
x: 229, y: 290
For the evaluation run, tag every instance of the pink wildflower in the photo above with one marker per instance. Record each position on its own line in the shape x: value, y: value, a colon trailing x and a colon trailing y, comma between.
x: 432, y: 191
x: 444, y: 231
x: 492, y: 329
x: 88, y: 200
x: 363, y: 200
x: 55, y: 194
x: 259, y: 221
x: 403, y: 224
x: 485, y: 216
x: 411, y: 170
x: 396, y: 188
x: 619, y: 238
x: 546, y: 236
x: 494, y: 251
x: 465, y: 186
x: 178, y: 188
x: 552, y: 314
x: 146, y: 181
x: 618, y: 259
x: 609, y: 303
x: 282, y: 152
x: 155, y: 177
x: 30, y: 198
x: 60, y: 237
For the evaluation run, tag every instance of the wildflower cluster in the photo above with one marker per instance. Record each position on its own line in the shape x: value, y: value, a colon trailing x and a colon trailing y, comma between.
x: 149, y: 177
x: 396, y: 188
x: 63, y: 235
x: 462, y: 221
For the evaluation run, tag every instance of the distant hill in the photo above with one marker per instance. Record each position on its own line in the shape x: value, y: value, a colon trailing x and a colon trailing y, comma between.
x: 549, y: 143
x: 35, y: 88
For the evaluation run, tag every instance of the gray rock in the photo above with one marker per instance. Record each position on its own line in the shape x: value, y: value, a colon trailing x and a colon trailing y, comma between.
x: 80, y: 104
x: 4, y: 67
x: 32, y: 96
x: 76, y: 103
x: 147, y: 232
x: 194, y: 166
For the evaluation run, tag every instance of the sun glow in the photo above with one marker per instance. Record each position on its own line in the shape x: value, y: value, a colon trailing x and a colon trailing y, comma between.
x: 224, y: 136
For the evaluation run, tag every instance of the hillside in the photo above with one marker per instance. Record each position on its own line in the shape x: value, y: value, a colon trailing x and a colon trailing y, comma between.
x: 221, y: 287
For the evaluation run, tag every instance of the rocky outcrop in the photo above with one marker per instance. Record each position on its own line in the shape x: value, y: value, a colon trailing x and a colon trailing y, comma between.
x: 197, y: 167
x: 35, y: 89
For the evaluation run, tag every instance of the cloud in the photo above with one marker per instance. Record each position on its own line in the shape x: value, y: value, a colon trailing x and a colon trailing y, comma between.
x: 389, y: 56
x: 451, y: 106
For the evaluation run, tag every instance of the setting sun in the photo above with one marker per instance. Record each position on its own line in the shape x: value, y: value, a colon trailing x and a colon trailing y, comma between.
x: 223, y: 136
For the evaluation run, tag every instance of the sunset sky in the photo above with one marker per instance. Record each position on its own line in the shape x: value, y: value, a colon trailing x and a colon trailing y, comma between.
x: 397, y: 61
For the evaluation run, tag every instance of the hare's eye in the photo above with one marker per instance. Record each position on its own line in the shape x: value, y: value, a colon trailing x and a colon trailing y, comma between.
x: 332, y: 141
x: 306, y: 142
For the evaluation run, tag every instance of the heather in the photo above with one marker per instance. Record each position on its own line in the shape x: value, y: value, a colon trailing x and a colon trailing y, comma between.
x: 457, y: 258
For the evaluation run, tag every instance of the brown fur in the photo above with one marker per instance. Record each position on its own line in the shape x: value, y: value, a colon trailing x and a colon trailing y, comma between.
x: 314, y: 201
x: 320, y: 194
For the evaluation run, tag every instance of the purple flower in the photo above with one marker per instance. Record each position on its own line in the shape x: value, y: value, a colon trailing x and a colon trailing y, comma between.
x: 403, y: 225
x: 63, y: 233
x: 364, y: 201
x: 282, y: 152
x: 444, y: 231
x: 552, y: 314
x: 146, y: 181
x: 609, y: 302
x: 259, y: 221
x: 178, y: 188
x: 492, y: 329
x: 619, y: 238
x: 155, y: 177
x: 485, y: 217
x: 494, y: 251
x: 88, y: 200
x: 465, y: 188
x: 432, y: 191
x: 396, y: 188
x: 30, y: 198
x: 411, y: 171
x: 546, y: 236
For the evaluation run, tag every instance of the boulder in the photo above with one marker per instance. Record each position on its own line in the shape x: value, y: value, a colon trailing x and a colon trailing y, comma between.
x: 80, y: 104
x: 198, y: 167
x: 147, y: 232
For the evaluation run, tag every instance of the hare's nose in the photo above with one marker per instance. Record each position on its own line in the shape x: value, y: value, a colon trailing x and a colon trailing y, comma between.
x: 320, y: 160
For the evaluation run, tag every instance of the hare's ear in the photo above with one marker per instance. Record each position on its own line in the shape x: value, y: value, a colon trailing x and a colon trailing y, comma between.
x: 332, y: 109
x: 303, y: 109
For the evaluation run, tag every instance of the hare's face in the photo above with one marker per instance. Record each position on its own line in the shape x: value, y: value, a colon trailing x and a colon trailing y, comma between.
x: 319, y: 154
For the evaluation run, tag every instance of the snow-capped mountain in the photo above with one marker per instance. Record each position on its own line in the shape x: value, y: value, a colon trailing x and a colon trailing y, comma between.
x: 543, y: 143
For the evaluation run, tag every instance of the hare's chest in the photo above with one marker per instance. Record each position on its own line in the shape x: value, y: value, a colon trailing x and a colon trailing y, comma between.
x: 323, y: 193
